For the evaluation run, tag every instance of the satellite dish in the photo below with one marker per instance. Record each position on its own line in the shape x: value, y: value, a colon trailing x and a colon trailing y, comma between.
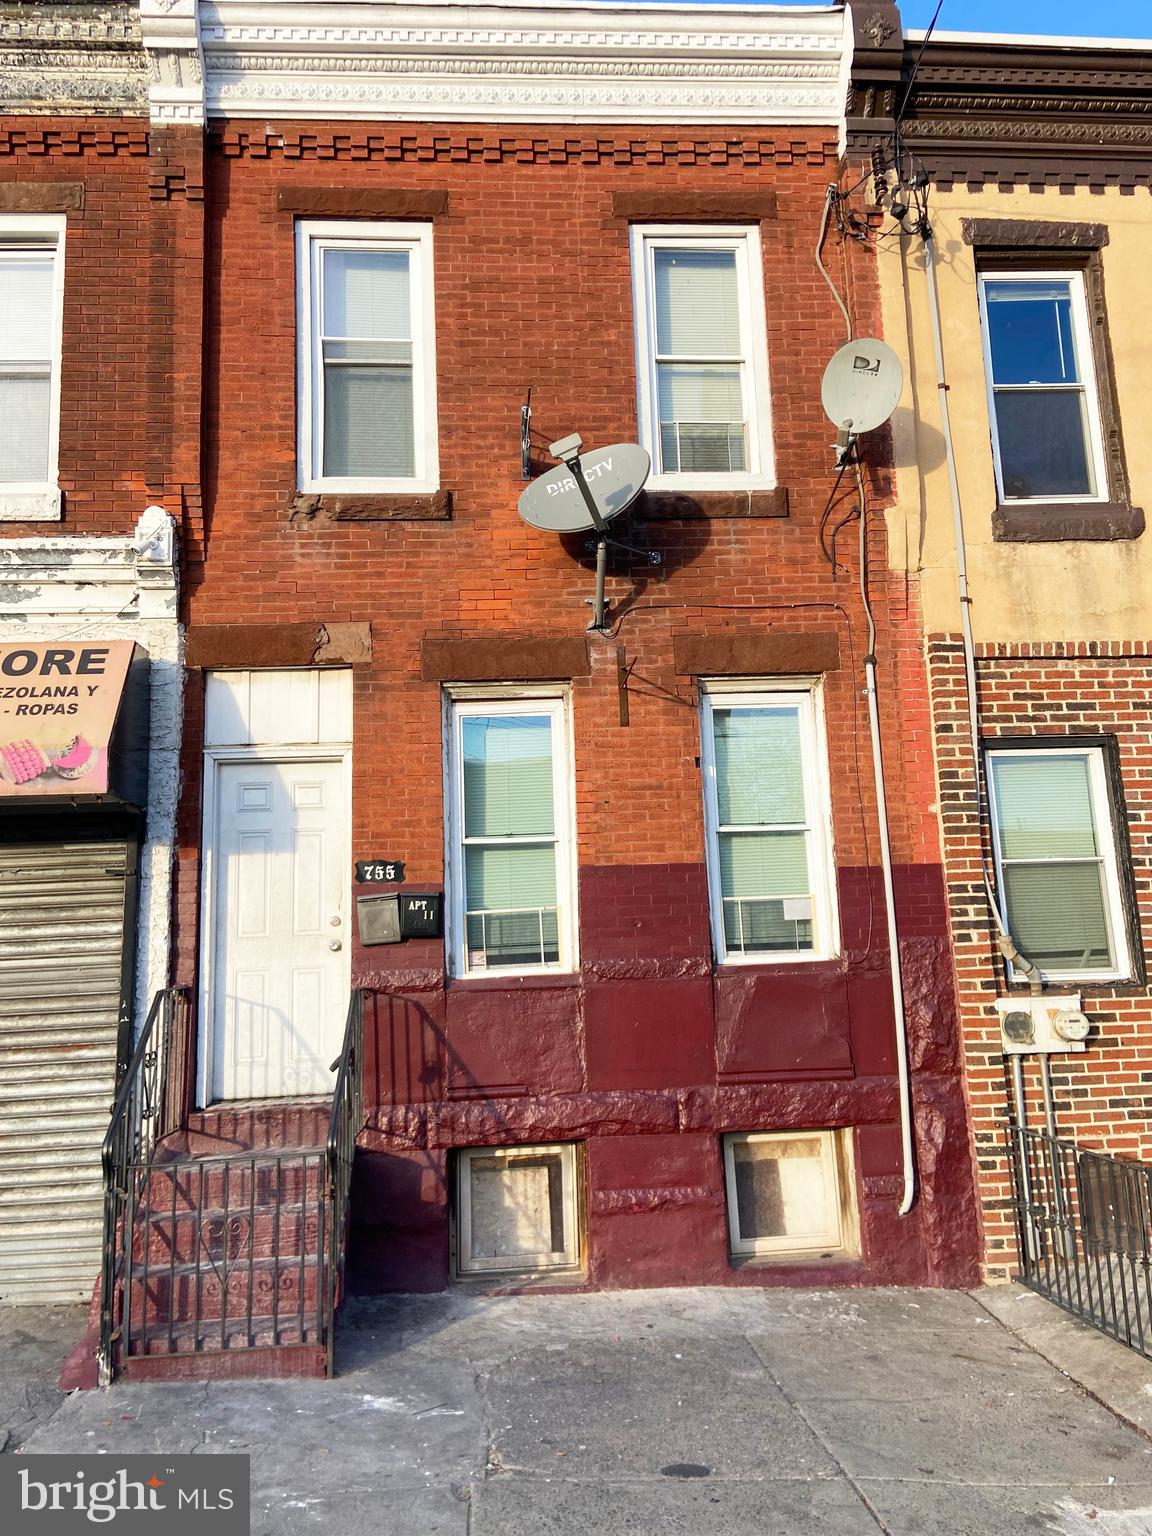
x: 862, y: 385
x: 614, y: 475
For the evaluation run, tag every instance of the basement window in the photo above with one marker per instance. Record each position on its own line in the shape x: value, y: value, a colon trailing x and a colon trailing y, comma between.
x: 788, y: 1194
x: 516, y: 1210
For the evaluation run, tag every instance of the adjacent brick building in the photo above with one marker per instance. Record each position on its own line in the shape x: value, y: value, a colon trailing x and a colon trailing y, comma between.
x: 1036, y: 178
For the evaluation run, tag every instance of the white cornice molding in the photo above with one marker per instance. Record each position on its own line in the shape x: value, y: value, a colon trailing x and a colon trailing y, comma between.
x: 170, y: 30
x: 550, y: 61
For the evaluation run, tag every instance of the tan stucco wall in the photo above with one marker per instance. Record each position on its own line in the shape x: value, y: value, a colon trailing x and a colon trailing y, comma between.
x: 1020, y: 591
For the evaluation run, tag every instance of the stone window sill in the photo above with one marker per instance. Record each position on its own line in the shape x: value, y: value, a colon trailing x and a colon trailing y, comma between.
x: 44, y: 506
x: 1058, y: 522
x: 663, y: 506
x: 433, y: 507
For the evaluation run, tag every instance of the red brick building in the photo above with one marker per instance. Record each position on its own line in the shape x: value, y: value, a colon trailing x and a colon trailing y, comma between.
x: 626, y: 1041
x: 100, y: 347
x: 1032, y: 161
x: 655, y: 1040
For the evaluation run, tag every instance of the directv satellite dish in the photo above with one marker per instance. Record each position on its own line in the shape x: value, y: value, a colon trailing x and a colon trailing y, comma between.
x: 615, y: 476
x: 862, y: 386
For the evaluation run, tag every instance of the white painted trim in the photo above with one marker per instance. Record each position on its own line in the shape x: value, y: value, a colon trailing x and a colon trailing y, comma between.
x: 746, y: 692
x: 545, y: 62
x: 1115, y: 915
x: 214, y: 759
x: 1030, y: 40
x: 512, y: 701
x: 1082, y: 337
x: 313, y: 237
x: 526, y: 1263
x: 744, y: 241
x: 39, y: 500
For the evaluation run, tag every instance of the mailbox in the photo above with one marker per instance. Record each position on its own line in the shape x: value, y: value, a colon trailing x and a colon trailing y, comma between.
x: 420, y: 916
x: 378, y: 918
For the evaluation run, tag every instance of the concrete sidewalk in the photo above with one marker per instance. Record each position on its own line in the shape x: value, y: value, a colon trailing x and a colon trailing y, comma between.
x: 709, y: 1412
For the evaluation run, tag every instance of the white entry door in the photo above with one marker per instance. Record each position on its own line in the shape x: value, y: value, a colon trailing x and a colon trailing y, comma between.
x: 279, y: 974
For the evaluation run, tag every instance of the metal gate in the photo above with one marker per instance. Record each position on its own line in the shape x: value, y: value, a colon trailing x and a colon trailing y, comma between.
x: 66, y: 933
x: 1084, y: 1226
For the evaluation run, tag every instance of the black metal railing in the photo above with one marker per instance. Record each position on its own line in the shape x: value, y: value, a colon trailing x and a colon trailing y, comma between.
x: 224, y: 1251
x: 1084, y: 1227
x: 345, y: 1124
x: 150, y: 1105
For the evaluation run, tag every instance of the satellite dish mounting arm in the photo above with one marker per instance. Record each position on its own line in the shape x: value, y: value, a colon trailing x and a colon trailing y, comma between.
x: 568, y: 449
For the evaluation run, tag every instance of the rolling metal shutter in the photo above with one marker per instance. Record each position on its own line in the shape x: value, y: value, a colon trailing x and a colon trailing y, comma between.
x: 63, y: 910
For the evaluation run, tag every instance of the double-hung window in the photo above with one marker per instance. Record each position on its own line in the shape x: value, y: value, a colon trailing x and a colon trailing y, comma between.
x: 1056, y: 859
x: 512, y: 906
x: 31, y: 305
x: 702, y: 359
x: 767, y: 821
x: 1042, y: 388
x: 367, y: 385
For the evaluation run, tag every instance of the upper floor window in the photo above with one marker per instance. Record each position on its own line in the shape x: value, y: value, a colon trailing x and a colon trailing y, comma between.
x: 31, y: 305
x: 511, y: 883
x: 1056, y: 858
x: 1042, y: 387
x: 367, y: 384
x: 767, y: 820
x: 702, y: 356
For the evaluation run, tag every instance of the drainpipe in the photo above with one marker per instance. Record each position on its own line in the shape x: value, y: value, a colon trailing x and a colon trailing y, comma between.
x: 1006, y: 942
x: 908, y: 1153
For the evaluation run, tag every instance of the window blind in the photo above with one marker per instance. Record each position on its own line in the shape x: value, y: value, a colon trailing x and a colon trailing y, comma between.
x: 367, y: 354
x: 1052, y: 860
x: 700, y: 405
x: 26, y: 341
x: 760, y: 789
x: 510, y: 887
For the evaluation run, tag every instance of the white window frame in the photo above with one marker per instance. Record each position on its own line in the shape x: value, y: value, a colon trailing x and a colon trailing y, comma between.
x: 528, y: 1264
x: 39, y: 500
x: 1115, y: 912
x: 461, y: 702
x: 744, y: 240
x: 1082, y: 333
x: 313, y: 238
x: 722, y: 693
x: 836, y: 1166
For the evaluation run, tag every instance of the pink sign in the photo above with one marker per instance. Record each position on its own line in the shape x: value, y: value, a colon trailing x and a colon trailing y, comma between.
x: 58, y: 705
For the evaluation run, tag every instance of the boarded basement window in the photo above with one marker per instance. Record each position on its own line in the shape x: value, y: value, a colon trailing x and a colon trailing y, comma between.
x: 516, y: 1210
x: 787, y: 1194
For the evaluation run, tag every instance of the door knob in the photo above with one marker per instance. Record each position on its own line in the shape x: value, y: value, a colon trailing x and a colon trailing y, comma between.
x: 334, y: 944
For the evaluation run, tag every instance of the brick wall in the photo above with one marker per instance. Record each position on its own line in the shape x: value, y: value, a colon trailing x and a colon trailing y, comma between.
x: 133, y: 298
x: 646, y: 1055
x: 1080, y: 687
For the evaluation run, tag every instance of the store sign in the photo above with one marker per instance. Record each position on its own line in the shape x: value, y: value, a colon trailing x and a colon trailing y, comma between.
x: 58, y: 707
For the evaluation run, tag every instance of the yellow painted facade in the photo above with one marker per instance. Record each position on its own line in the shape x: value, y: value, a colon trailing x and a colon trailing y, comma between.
x: 1021, y: 592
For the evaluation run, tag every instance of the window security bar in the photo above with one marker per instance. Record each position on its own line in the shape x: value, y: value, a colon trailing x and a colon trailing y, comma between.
x: 484, y: 914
